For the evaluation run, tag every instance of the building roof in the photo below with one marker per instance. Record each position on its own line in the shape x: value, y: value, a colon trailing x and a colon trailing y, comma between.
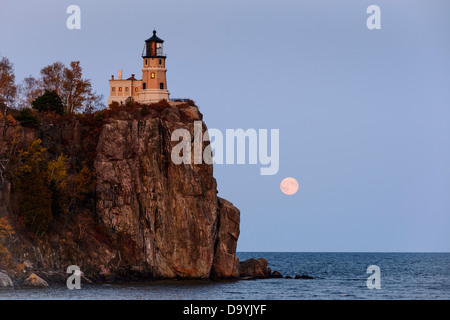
x: 154, y: 38
x: 132, y: 78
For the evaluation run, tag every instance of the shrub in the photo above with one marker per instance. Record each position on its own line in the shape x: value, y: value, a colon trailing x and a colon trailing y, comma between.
x: 99, y: 116
x: 130, y: 102
x: 145, y: 111
x: 114, y: 104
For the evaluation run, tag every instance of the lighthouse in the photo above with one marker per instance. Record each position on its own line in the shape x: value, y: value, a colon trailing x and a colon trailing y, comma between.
x: 153, y: 86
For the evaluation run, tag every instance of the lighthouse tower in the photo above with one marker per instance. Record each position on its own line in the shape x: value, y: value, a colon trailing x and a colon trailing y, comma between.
x: 154, y: 84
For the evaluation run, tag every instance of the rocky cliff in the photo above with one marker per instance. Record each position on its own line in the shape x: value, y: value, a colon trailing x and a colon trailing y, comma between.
x: 148, y: 218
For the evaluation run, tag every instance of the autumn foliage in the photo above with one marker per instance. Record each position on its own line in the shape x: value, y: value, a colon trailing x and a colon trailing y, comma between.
x: 6, y: 231
x: 35, y: 198
x: 46, y: 190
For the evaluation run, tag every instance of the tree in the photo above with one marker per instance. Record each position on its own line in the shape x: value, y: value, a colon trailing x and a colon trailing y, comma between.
x: 49, y: 102
x: 28, y: 119
x: 75, y: 91
x: 76, y: 88
x: 57, y: 174
x: 94, y: 103
x: 82, y: 185
x: 6, y: 232
x: 34, y: 196
x: 28, y: 90
x: 52, y: 78
x: 35, y: 202
x: 8, y: 88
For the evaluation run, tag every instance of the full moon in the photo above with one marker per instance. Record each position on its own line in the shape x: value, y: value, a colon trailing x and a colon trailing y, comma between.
x: 289, y: 186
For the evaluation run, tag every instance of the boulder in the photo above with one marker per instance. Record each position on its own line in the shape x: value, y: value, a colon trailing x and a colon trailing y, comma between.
x: 5, y: 280
x: 254, y: 268
x: 288, y: 277
x: 303, y: 276
x: 35, y: 281
x: 276, y: 274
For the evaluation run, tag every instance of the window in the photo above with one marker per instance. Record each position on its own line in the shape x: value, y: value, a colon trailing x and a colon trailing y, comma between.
x: 161, y: 85
x: 136, y: 89
x: 120, y: 88
x: 153, y: 75
x: 143, y: 85
x: 160, y: 61
x: 113, y: 88
x: 126, y: 89
x: 145, y: 61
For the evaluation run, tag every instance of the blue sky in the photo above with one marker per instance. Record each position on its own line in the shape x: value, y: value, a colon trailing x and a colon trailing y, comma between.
x: 363, y: 114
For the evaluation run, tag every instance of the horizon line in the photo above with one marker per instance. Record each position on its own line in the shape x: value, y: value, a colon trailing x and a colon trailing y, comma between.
x: 342, y: 251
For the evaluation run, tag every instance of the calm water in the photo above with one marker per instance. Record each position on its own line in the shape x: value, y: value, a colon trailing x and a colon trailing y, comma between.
x: 336, y: 276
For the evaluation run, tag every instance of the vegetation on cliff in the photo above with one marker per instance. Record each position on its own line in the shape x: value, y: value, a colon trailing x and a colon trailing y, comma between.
x: 59, y: 89
x: 34, y: 196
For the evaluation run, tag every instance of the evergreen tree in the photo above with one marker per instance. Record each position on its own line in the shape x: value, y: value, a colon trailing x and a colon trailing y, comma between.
x: 28, y: 119
x: 49, y: 102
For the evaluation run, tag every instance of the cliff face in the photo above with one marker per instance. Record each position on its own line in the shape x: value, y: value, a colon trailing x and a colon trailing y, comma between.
x: 149, y: 217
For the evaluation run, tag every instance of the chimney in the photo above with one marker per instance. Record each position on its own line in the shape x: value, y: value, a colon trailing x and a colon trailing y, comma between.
x: 112, y: 77
x: 120, y: 74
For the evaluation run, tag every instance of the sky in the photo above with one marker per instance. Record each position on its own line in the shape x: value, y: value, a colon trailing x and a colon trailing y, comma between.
x: 363, y: 115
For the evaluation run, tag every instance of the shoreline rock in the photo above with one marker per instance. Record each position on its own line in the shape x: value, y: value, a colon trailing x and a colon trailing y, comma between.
x: 303, y: 276
x: 276, y: 274
x: 34, y: 281
x: 5, y: 280
x: 256, y: 268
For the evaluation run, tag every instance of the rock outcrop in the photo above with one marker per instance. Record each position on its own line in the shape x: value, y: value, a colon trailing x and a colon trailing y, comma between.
x: 149, y: 218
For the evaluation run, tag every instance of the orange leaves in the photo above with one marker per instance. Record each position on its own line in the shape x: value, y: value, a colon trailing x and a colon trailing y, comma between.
x: 11, y: 121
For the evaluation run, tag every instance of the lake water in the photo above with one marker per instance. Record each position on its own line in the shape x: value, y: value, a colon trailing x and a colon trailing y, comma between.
x: 336, y: 276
